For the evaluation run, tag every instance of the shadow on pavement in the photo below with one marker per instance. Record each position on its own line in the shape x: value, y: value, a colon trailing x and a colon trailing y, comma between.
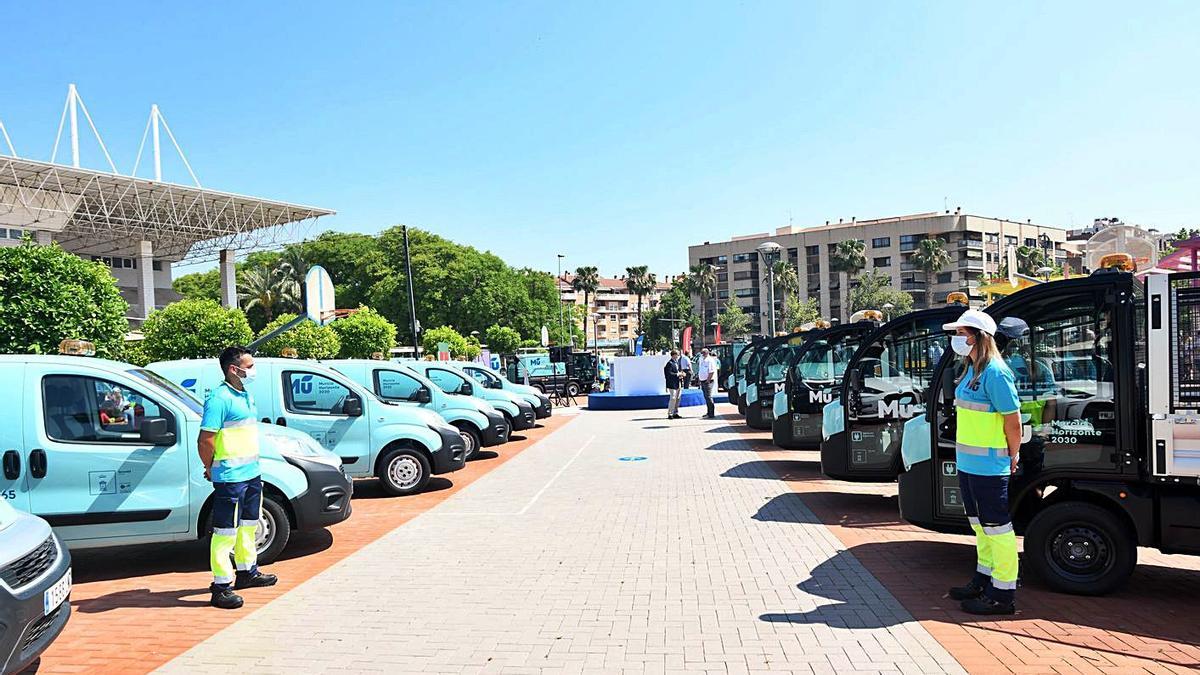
x: 786, y: 508
x: 790, y: 470
x: 142, y: 597
x: 485, y: 454
x: 371, y: 489
x: 727, y: 429
x: 738, y: 444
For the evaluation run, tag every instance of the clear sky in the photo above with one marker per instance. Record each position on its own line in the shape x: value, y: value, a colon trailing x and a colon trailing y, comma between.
x: 617, y: 133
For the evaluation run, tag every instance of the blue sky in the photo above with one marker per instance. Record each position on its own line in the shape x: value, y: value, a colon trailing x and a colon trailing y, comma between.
x: 618, y: 133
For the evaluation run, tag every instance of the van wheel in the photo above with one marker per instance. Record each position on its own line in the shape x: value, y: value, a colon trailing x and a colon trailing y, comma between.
x: 470, y: 436
x: 403, y: 471
x: 274, y: 529
x: 1080, y: 548
x: 572, y: 389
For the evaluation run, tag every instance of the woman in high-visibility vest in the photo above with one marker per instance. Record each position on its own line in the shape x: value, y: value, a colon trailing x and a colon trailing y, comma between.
x: 987, y: 444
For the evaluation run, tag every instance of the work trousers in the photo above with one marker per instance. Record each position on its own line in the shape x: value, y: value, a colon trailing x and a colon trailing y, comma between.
x: 986, y: 501
x: 236, y: 508
x: 673, y: 402
x: 706, y: 386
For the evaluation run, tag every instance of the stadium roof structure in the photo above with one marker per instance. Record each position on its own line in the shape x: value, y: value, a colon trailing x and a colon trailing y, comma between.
x: 100, y: 213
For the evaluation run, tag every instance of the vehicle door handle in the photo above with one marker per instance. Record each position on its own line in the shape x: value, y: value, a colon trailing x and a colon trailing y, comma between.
x: 37, y: 463
x: 280, y: 421
x: 12, y: 465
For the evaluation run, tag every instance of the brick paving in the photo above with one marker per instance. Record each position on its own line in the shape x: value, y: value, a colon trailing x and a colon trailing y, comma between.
x: 136, y: 608
x: 568, y: 559
x: 1148, y: 626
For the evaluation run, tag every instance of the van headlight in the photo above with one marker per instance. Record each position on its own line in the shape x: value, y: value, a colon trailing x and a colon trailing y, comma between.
x: 296, y: 446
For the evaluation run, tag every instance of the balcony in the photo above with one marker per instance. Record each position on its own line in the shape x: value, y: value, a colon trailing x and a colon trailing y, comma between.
x: 970, y: 264
x: 912, y: 285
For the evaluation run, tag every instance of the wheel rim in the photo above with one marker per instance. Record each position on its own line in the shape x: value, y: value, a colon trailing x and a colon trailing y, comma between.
x: 404, y: 472
x: 468, y: 442
x: 265, y: 534
x: 1080, y: 552
x: 573, y: 390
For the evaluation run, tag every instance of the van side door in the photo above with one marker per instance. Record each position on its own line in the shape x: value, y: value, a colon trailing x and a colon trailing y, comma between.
x: 13, y: 453
x: 315, y: 403
x: 90, y: 473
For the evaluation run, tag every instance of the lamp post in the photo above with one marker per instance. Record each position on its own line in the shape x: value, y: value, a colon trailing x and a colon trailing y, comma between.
x: 595, y: 334
x: 558, y: 285
x: 767, y: 252
x: 887, y: 310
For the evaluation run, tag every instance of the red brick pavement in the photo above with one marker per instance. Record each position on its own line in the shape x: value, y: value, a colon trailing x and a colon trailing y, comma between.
x: 136, y: 608
x: 1152, y: 625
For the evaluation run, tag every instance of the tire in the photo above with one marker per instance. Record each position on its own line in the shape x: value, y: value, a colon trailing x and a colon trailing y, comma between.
x: 471, y: 439
x: 573, y: 389
x: 540, y: 387
x: 1080, y: 548
x: 403, y: 471
x: 274, y: 529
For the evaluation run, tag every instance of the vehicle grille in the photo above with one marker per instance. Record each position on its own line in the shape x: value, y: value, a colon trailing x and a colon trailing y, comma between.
x: 39, y: 628
x: 22, y: 572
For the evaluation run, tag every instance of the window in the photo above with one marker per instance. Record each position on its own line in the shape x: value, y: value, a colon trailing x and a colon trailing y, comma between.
x: 1030, y: 241
x: 722, y: 294
x: 945, y: 277
x: 81, y: 409
x: 489, y: 380
x: 972, y: 236
x: 743, y: 275
x: 814, y: 268
x: 910, y: 242
x: 14, y: 234
x: 746, y: 292
x: 812, y: 250
x: 743, y: 257
x: 156, y: 266
x: 993, y: 238
x: 721, y: 260
x: 881, y: 242
x: 393, y: 385
x: 313, y: 394
x: 1010, y: 240
x: 883, y: 261
x: 449, y: 382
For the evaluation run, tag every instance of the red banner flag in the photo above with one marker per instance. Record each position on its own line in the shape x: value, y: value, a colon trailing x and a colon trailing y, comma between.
x: 687, y: 340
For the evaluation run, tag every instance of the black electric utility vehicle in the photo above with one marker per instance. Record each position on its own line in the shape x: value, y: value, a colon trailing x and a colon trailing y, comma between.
x: 884, y: 387
x: 746, y: 373
x: 1108, y: 373
x: 813, y: 378
x: 767, y: 376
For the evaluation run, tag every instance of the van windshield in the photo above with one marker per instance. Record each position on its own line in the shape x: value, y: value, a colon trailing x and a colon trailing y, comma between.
x: 187, y: 398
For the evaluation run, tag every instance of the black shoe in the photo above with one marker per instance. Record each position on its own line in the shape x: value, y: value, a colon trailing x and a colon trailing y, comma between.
x: 968, y: 592
x: 225, y: 598
x: 259, y: 580
x: 983, y: 605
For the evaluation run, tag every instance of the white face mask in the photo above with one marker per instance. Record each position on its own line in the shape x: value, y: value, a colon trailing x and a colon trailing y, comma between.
x: 248, y: 374
x: 959, y: 344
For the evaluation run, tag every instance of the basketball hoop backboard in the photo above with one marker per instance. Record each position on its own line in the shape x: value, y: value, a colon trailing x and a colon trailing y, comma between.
x: 318, y: 295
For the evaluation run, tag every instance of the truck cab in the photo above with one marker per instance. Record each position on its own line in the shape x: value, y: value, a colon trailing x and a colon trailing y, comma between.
x: 452, y: 379
x: 479, y: 424
x: 35, y: 585
x: 401, y: 446
x: 1105, y: 465
x: 106, y: 453
x: 884, y: 387
x: 814, y: 376
x: 490, y: 379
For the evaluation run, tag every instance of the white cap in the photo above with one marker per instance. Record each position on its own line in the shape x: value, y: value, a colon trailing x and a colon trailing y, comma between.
x: 974, y: 318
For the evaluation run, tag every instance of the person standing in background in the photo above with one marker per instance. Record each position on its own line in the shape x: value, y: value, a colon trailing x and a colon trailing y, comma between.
x: 674, y: 390
x: 707, y: 373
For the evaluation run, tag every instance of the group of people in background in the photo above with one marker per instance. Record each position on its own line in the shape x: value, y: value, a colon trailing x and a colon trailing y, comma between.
x: 678, y: 372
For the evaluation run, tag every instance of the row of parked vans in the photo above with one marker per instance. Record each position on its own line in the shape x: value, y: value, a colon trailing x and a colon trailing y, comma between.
x: 98, y: 453
x: 1106, y: 369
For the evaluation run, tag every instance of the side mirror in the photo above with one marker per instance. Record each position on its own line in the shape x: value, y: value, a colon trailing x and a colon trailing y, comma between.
x: 948, y: 385
x: 466, y: 389
x: 855, y: 379
x: 423, y: 395
x: 352, y: 406
x: 157, y: 431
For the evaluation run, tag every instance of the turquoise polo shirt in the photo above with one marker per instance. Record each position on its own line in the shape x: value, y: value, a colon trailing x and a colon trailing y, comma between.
x: 995, y: 392
x: 232, y: 415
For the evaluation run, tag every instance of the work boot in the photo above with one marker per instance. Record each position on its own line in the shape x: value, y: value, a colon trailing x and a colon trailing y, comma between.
x: 968, y: 592
x: 223, y: 597
x: 256, y: 580
x: 983, y: 605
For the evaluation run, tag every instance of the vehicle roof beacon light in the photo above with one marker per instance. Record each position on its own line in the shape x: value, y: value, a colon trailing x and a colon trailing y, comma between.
x: 1117, y: 261
x: 376, y: 356
x: 289, y: 353
x: 957, y: 298
x: 866, y: 315
x: 76, y: 348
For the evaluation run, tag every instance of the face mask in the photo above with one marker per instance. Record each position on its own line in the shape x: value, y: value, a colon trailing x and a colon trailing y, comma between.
x: 959, y: 344
x: 249, y: 374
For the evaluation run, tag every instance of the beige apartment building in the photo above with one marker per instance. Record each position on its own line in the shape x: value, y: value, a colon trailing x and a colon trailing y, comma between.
x: 612, y: 310
x: 977, y: 247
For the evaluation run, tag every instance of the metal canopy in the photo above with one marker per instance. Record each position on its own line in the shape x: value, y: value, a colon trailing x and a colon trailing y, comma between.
x: 100, y: 213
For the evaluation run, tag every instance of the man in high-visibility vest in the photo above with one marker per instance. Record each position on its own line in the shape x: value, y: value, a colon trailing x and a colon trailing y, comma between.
x: 228, y: 447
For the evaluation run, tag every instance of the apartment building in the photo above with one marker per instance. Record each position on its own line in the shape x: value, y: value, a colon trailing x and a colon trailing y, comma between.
x: 612, y: 309
x: 977, y: 246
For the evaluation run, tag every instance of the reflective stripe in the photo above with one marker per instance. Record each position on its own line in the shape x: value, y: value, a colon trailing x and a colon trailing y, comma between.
x: 224, y: 531
x: 1004, y: 585
x: 248, y: 523
x: 983, y: 569
x: 964, y: 449
x: 972, y: 520
x: 238, y: 423
x: 972, y: 405
x: 998, y: 529
x: 230, y: 462
x: 245, y: 567
x: 222, y: 580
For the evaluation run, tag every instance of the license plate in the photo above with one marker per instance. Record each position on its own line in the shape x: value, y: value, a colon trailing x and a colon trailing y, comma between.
x: 56, y: 594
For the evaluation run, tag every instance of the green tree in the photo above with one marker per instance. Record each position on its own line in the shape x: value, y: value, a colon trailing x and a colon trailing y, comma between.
x: 48, y: 295
x: 308, y: 339
x: 268, y: 289
x: 702, y: 280
x: 787, y: 282
x: 930, y: 257
x: 1030, y: 259
x: 193, y: 329
x: 674, y: 312
x: 364, y: 333
x: 733, y: 321
x: 875, y: 290
x: 502, y: 339
x: 586, y: 281
x: 199, y: 285
x: 447, y: 334
x: 641, y: 282
x: 797, y: 313
x: 847, y: 259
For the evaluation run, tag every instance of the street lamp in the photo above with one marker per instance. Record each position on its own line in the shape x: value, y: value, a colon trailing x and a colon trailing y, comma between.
x: 887, y: 310
x: 558, y: 282
x: 767, y: 251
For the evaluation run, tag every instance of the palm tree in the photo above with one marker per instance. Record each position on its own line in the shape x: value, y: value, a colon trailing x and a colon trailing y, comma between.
x: 1030, y: 260
x: 702, y: 280
x: 847, y: 258
x: 640, y: 282
x: 786, y: 281
x: 294, y: 264
x: 268, y: 289
x: 586, y: 281
x: 930, y: 257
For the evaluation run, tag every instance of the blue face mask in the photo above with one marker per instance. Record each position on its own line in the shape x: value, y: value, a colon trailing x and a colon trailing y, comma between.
x: 959, y: 344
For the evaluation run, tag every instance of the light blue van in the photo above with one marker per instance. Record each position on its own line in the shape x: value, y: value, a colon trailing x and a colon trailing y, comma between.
x: 479, y: 424
x: 451, y: 379
x: 490, y: 379
x: 401, y: 446
x: 106, y: 453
